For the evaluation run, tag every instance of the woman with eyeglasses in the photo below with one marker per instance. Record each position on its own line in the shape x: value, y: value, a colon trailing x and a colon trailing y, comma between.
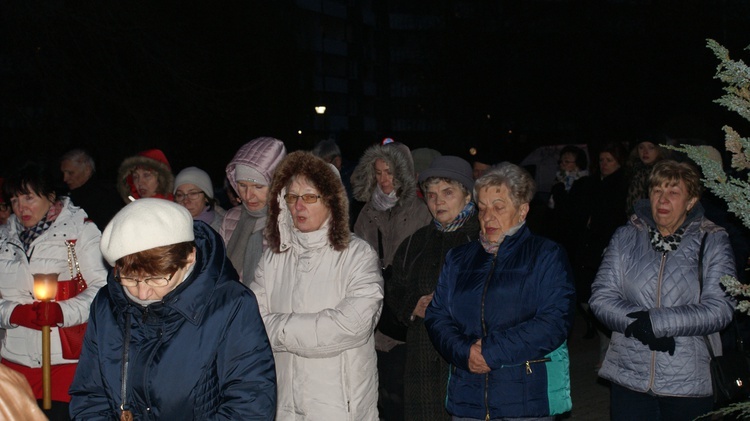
x: 173, y: 335
x: 320, y: 293
x: 34, y: 241
x: 250, y: 173
x: 194, y: 191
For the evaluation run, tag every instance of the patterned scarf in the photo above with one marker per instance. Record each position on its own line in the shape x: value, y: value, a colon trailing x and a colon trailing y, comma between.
x: 28, y: 235
x: 666, y: 244
x: 381, y: 201
x: 459, y: 220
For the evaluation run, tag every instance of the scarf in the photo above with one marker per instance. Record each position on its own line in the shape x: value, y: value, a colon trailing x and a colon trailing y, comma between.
x: 666, y: 244
x: 491, y: 247
x: 463, y: 216
x: 568, y: 178
x: 28, y: 235
x: 246, y: 244
x: 207, y: 215
x: 381, y: 201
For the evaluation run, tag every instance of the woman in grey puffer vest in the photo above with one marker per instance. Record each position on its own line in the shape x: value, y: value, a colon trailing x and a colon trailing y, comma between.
x: 648, y: 292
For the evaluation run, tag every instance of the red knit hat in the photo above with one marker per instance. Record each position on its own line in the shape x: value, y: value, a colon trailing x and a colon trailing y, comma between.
x: 156, y: 155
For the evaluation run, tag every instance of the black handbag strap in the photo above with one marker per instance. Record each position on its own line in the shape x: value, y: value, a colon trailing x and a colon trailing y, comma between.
x: 124, y: 369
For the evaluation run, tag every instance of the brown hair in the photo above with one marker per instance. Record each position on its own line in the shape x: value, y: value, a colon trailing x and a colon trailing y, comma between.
x: 162, y: 260
x: 671, y: 172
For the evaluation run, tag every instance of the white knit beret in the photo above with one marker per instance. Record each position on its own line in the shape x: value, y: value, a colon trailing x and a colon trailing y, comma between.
x: 145, y: 224
x: 195, y: 175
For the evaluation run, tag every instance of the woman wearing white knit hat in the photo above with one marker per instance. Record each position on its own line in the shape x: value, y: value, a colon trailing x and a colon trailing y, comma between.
x: 173, y: 335
x: 194, y: 191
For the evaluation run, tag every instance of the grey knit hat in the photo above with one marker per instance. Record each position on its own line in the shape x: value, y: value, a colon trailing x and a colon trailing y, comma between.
x: 450, y: 167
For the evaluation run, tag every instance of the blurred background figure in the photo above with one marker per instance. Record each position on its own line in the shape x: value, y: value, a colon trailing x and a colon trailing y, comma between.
x: 569, y: 200
x: 147, y: 174
x: 384, y: 179
x: 447, y: 184
x: 642, y: 159
x: 194, y: 191
x: 661, y: 303
x: 503, y: 309
x: 34, y: 241
x: 422, y: 158
x: 320, y: 293
x: 606, y: 212
x: 85, y: 190
x: 328, y: 150
x: 5, y: 208
x: 250, y: 173
x: 176, y: 321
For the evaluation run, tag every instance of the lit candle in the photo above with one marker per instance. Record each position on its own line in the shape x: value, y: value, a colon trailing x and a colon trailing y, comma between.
x: 45, y: 289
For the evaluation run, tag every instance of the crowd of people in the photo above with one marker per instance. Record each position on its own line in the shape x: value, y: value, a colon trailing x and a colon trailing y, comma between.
x: 408, y: 285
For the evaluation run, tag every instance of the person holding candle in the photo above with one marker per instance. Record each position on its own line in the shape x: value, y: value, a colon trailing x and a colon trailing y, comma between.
x: 175, y: 319
x: 34, y: 242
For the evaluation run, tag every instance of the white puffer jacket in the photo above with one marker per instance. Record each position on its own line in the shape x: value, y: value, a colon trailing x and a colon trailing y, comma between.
x: 634, y: 277
x: 320, y: 307
x: 47, y: 254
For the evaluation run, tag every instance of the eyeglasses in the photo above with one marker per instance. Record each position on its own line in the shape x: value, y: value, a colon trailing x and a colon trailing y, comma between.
x: 307, y: 198
x: 192, y: 195
x: 4, y: 207
x: 152, y: 281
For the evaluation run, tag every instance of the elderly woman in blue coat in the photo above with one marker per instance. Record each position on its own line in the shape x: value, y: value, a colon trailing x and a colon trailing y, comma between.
x: 649, y: 293
x: 502, y: 311
x: 173, y: 335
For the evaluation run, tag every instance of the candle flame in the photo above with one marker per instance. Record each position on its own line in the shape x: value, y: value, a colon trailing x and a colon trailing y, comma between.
x: 45, y: 286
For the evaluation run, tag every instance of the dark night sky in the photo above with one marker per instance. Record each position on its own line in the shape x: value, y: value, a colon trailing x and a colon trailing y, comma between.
x: 199, y: 80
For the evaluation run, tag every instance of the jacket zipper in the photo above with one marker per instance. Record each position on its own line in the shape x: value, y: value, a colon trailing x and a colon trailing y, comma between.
x: 484, y: 333
x: 529, y: 362
x: 658, y: 304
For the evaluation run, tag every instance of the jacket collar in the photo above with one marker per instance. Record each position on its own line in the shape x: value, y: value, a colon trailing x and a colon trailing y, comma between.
x: 190, y: 299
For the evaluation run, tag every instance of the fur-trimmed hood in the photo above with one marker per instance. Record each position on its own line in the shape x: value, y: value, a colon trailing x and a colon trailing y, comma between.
x: 153, y: 159
x: 328, y: 183
x: 398, y: 157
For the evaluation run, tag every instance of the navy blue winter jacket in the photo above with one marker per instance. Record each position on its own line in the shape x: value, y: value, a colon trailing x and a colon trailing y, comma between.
x: 201, y: 353
x: 520, y: 304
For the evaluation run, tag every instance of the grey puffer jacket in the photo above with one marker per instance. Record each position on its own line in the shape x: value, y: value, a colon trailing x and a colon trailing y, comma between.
x: 633, y: 277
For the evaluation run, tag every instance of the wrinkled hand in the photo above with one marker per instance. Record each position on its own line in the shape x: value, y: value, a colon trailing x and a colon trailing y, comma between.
x: 24, y: 315
x: 422, y: 304
x: 477, y: 364
x: 641, y: 328
x: 48, y: 313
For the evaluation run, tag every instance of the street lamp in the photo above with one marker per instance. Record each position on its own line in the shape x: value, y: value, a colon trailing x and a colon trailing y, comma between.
x: 320, y: 109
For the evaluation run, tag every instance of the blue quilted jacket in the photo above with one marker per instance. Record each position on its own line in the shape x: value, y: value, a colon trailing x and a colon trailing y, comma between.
x: 201, y: 353
x: 520, y: 303
x: 633, y: 277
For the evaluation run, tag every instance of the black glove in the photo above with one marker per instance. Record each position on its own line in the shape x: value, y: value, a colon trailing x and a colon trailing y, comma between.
x: 662, y: 345
x: 641, y: 328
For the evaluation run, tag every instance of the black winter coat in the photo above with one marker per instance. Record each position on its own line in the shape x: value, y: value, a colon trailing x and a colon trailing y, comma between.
x: 416, y: 268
